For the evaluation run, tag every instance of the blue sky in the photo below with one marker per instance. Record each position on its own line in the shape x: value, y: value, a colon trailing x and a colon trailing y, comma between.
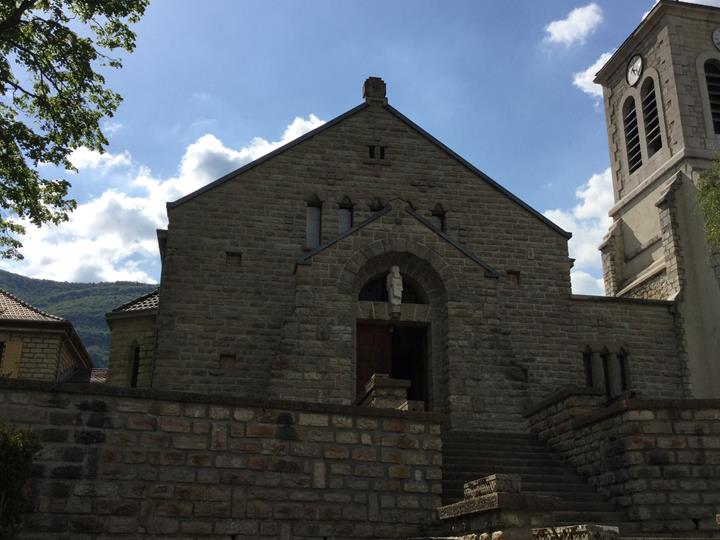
x: 505, y: 84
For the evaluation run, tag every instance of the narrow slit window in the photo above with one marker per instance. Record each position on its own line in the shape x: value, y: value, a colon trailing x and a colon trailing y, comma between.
x: 345, y: 215
x: 712, y: 79
x: 313, y: 219
x: 135, y: 366
x: 605, y: 357
x: 382, y: 152
x: 623, y: 369
x: 651, y: 118
x: 587, y: 366
x: 371, y: 151
x: 632, y: 135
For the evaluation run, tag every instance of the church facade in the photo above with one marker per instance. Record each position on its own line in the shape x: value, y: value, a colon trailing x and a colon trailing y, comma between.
x: 274, y: 277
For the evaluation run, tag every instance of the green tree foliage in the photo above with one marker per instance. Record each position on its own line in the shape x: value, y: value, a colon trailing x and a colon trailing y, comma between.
x: 52, y: 99
x: 709, y: 201
x: 17, y: 449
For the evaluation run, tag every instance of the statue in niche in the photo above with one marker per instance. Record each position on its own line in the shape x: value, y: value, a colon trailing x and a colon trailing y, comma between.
x: 394, y: 286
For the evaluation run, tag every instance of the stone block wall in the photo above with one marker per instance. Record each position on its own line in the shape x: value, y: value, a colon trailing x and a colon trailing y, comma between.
x: 138, y: 464
x: 127, y: 331
x: 34, y: 355
x: 657, y: 459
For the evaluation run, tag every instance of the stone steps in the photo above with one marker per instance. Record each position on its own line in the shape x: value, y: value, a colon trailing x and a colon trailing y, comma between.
x: 468, y: 456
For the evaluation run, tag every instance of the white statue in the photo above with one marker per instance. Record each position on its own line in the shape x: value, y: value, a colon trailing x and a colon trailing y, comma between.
x: 394, y: 286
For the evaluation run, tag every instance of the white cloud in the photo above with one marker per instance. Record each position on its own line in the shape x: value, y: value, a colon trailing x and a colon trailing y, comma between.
x: 584, y: 79
x: 112, y: 237
x: 576, y: 27
x: 588, y: 221
x: 109, y: 127
x: 584, y: 283
x: 84, y: 158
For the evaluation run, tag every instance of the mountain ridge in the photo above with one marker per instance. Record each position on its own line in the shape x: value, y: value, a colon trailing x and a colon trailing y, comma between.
x: 83, y: 304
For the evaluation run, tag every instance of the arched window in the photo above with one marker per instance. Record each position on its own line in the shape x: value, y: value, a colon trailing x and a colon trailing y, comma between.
x: 376, y: 204
x: 712, y: 79
x: 375, y: 290
x: 345, y: 215
x: 438, y: 217
x: 651, y: 118
x: 313, y: 221
x: 632, y: 135
x: 134, y: 364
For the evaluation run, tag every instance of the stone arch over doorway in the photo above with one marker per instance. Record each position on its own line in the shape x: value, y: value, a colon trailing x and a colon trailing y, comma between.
x: 419, y: 330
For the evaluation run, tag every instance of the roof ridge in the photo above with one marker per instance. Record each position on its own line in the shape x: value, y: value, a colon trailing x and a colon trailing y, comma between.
x: 30, y: 306
x: 136, y: 300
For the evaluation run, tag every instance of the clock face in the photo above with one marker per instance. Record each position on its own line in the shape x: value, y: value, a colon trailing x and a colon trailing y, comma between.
x: 716, y: 37
x: 634, y: 69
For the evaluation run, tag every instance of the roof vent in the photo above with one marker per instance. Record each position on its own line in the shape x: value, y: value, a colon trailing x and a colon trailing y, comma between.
x: 374, y: 90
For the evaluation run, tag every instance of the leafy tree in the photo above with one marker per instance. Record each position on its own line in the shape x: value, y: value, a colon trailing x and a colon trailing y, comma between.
x: 709, y: 201
x: 17, y: 449
x: 52, y: 99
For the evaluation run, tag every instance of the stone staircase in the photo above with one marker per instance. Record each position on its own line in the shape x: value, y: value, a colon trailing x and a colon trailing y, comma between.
x: 468, y: 456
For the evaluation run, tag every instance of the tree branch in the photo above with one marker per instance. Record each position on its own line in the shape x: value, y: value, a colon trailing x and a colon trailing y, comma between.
x: 15, y: 16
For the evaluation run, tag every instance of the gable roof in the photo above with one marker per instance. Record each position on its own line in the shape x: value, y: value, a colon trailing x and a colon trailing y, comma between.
x: 146, y: 302
x: 405, y: 120
x: 14, y: 309
x: 305, y: 259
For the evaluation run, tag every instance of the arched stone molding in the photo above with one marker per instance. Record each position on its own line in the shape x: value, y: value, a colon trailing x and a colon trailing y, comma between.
x: 434, y: 273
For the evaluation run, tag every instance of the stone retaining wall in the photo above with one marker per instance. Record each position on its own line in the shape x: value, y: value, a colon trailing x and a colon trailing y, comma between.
x: 658, y: 459
x: 137, y: 463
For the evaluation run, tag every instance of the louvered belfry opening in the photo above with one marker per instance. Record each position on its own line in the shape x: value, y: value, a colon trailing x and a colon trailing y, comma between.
x: 651, y: 117
x: 632, y: 135
x: 712, y: 78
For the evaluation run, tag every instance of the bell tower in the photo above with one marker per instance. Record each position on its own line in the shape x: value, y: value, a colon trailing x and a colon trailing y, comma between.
x: 662, y: 107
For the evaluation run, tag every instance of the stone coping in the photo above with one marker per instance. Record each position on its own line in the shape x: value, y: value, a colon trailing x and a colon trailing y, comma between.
x: 214, y: 399
x: 561, y: 395
x: 621, y: 300
x: 625, y: 405
x: 493, y: 502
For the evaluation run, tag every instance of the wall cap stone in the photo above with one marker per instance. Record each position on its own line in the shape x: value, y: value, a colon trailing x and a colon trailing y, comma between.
x: 561, y: 395
x: 625, y: 405
x: 215, y: 399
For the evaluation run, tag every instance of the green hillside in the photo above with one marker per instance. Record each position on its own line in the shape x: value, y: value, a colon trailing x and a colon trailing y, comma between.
x: 83, y: 304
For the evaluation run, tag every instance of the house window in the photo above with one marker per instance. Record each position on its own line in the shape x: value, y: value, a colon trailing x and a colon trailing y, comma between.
x: 134, y: 365
x: 605, y: 358
x: 632, y: 135
x: 712, y: 79
x: 438, y: 217
x: 313, y: 221
x: 345, y: 215
x: 651, y: 118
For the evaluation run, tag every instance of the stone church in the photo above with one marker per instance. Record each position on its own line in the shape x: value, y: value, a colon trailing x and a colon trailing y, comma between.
x: 366, y: 264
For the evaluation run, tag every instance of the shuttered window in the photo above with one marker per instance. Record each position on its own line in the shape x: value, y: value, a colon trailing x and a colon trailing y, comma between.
x: 651, y: 118
x: 632, y: 135
x: 712, y: 78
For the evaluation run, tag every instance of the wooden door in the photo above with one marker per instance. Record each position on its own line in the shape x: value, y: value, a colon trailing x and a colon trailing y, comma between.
x: 374, y: 352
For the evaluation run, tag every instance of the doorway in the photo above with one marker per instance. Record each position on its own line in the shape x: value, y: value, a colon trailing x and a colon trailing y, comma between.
x: 400, y: 350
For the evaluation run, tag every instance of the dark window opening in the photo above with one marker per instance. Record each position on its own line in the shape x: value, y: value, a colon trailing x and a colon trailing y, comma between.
x: 587, y: 365
x: 371, y: 151
x: 135, y: 367
x: 438, y: 217
x: 605, y: 357
x: 382, y: 152
x: 632, y: 135
x: 375, y: 290
x: 233, y: 258
x: 313, y: 222
x: 376, y: 205
x: 651, y: 118
x: 623, y: 368
x: 345, y: 215
x: 712, y: 79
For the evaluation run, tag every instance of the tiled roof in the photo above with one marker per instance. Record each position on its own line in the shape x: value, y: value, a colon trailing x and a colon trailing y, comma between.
x: 14, y: 309
x: 144, y: 302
